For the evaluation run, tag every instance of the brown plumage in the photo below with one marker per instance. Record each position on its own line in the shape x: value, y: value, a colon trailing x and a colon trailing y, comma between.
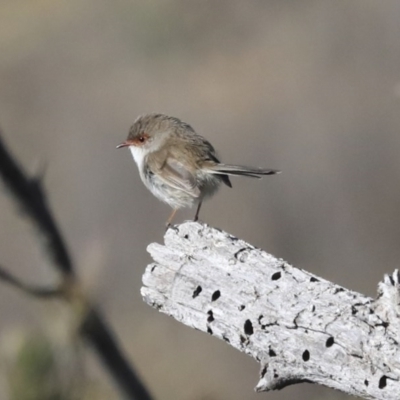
x: 179, y: 166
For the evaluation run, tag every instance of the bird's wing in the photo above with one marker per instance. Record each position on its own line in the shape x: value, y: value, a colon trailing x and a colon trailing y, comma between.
x: 177, y: 175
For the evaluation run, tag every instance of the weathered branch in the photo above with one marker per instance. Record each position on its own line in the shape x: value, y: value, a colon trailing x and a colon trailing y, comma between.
x: 301, y: 328
x: 30, y: 197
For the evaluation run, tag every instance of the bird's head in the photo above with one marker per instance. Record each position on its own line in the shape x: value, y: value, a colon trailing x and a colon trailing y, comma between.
x: 150, y: 132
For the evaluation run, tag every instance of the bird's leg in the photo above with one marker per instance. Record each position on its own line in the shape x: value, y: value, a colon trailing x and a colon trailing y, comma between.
x: 196, y: 217
x: 171, y: 217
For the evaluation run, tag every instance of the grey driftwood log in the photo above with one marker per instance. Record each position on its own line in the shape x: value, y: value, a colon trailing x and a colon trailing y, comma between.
x: 299, y: 327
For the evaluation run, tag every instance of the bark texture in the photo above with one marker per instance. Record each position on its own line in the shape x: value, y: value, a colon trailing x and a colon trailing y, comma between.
x: 299, y: 327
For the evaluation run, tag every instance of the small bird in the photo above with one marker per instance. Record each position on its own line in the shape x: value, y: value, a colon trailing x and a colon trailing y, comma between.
x: 179, y: 166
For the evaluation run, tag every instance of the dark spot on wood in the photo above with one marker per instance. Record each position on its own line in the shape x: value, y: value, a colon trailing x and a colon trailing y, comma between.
x: 263, y: 371
x: 271, y: 353
x: 353, y: 310
x: 382, y: 382
x: 329, y: 342
x: 275, y: 374
x: 306, y: 355
x: 197, y: 291
x: 338, y: 290
x: 242, y: 339
x: 248, y: 328
x: 233, y: 238
x: 186, y: 236
x: 153, y: 268
x: 226, y: 339
x: 312, y: 308
x: 276, y: 276
x: 216, y: 295
x: 209, y: 330
x: 366, y: 383
x: 236, y: 255
x: 312, y: 279
x: 242, y: 307
x: 210, y: 316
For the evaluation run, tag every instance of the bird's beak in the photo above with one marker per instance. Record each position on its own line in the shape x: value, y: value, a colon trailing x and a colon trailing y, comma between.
x: 127, y: 143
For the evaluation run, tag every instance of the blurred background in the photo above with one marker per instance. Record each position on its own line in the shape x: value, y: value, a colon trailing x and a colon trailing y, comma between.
x: 311, y: 88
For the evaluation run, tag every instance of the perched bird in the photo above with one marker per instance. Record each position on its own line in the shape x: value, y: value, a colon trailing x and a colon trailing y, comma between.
x: 178, y: 165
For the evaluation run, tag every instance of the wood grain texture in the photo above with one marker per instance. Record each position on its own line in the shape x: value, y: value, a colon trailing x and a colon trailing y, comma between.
x: 299, y: 327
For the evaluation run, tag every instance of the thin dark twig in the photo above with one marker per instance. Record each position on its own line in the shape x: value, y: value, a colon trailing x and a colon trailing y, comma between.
x: 29, y: 195
x: 95, y: 330
x: 36, y: 291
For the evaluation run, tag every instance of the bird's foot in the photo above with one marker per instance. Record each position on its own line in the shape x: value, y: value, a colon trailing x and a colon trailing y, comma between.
x: 170, y: 226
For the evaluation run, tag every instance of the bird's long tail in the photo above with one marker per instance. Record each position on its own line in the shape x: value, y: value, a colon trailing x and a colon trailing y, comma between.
x: 240, y: 170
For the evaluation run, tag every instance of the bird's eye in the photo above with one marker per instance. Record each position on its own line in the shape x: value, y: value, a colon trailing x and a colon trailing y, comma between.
x: 141, y: 139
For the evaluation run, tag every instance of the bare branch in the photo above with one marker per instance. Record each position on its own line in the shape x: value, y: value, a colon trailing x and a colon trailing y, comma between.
x: 301, y: 328
x: 29, y: 195
x: 35, y: 291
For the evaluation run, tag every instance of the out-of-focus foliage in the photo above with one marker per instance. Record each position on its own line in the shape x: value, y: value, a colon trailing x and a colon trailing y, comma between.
x: 36, y: 368
x: 37, y: 365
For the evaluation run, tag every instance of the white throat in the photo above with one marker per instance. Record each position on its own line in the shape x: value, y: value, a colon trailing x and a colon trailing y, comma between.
x: 140, y: 152
x: 138, y: 155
